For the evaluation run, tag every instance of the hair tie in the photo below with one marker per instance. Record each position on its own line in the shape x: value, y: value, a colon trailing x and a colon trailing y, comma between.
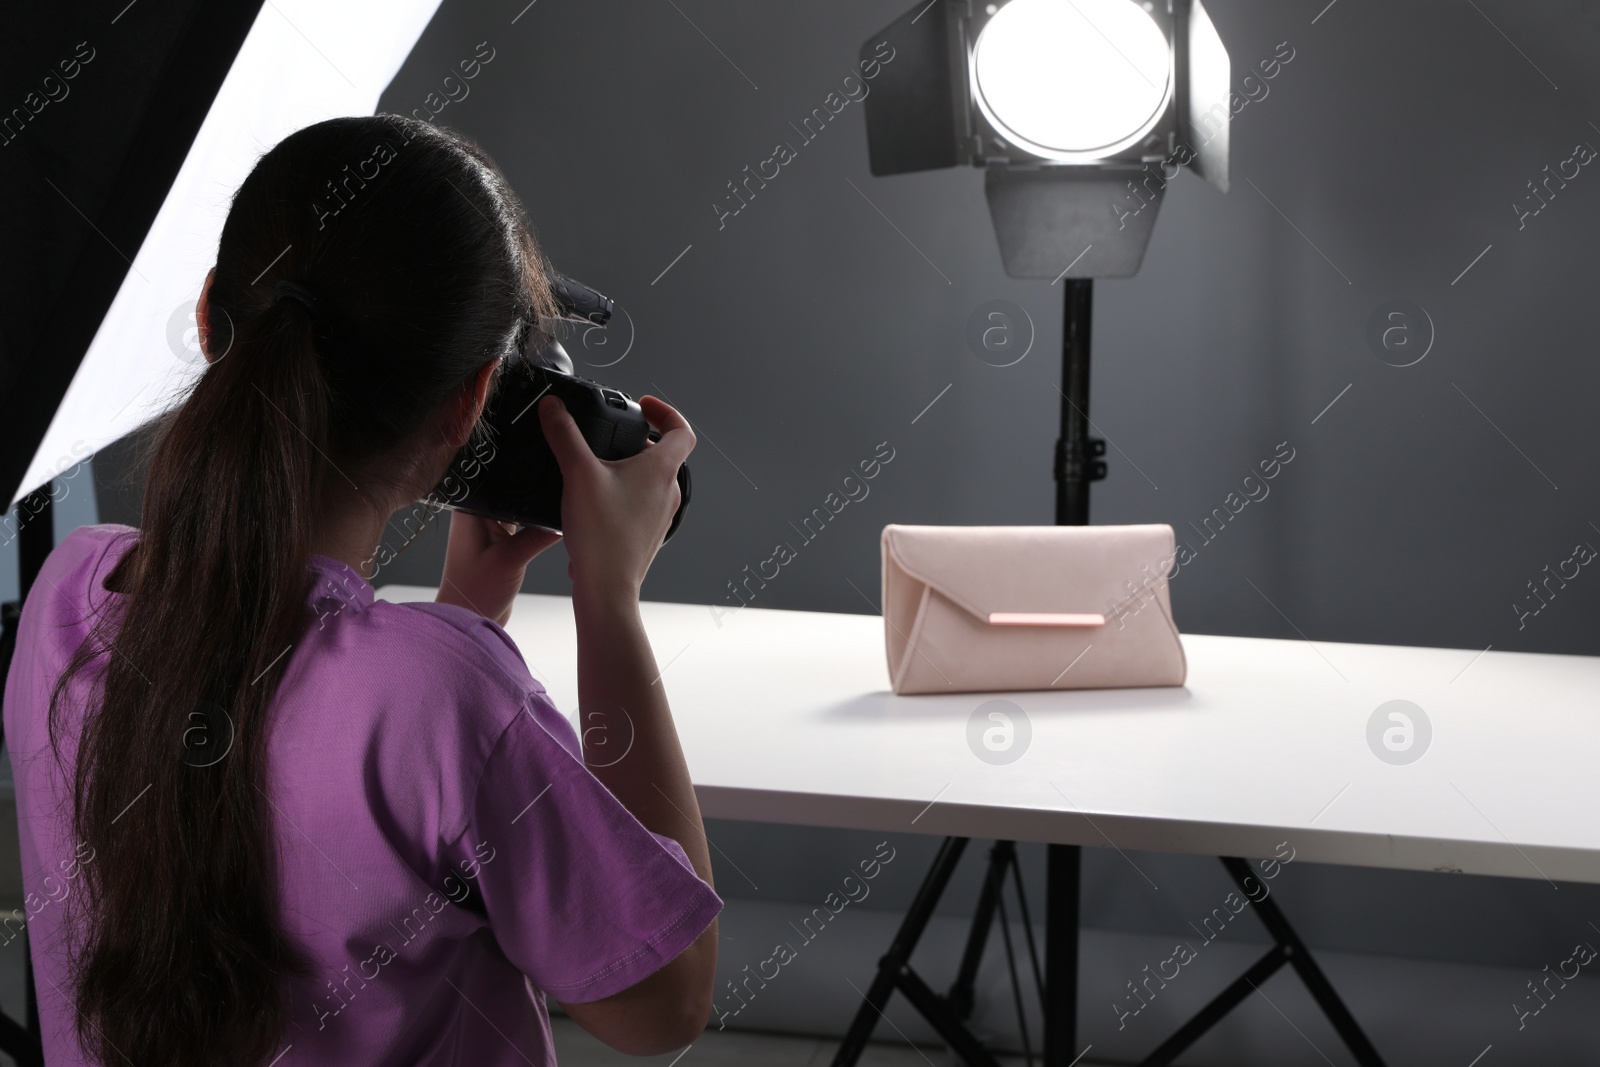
x: 287, y: 290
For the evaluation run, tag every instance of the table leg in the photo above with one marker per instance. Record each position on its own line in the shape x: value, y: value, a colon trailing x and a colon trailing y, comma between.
x: 1287, y: 948
x: 894, y: 967
x: 1063, y: 869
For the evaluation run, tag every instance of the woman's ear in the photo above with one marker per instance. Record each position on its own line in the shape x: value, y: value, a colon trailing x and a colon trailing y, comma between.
x: 470, y: 402
x: 202, y: 316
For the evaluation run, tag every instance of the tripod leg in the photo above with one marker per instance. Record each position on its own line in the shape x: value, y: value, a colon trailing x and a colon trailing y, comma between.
x: 1027, y: 927
x: 890, y: 967
x: 1016, y: 983
x: 1061, y: 955
x: 957, y: 1036
x: 960, y: 997
x: 1220, y: 1005
x: 1322, y: 990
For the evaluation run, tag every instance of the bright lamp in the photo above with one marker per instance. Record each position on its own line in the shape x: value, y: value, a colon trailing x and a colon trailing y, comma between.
x: 1074, y: 82
x: 1069, y: 105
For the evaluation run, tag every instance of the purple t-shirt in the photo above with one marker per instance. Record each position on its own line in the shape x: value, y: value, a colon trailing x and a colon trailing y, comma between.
x: 447, y: 859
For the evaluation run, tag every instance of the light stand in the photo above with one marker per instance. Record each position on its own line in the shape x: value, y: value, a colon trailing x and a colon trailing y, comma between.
x: 1077, y: 464
x: 1078, y: 455
x: 925, y: 113
x: 1062, y: 186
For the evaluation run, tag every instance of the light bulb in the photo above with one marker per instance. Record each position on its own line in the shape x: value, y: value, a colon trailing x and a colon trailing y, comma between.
x: 1072, y: 79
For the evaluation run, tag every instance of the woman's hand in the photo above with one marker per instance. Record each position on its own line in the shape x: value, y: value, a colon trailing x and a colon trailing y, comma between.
x: 485, y: 563
x: 615, y: 513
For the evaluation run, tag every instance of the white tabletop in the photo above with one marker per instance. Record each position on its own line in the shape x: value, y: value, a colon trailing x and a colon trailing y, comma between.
x: 787, y: 717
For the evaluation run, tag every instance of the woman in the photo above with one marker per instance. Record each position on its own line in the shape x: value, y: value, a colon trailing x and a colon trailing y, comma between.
x: 268, y: 819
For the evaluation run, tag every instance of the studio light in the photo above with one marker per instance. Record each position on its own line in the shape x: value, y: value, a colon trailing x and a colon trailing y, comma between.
x: 1080, y: 111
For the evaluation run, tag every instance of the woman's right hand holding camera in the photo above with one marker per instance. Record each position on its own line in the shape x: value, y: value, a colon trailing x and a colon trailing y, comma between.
x: 614, y: 513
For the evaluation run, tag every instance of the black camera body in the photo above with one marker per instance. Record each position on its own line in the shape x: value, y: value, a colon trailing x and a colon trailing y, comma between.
x: 512, y: 475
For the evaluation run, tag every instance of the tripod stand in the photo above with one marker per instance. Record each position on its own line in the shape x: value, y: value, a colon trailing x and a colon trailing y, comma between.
x: 1077, y: 463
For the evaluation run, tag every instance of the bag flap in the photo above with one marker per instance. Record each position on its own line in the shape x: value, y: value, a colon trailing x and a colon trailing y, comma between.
x: 987, y: 569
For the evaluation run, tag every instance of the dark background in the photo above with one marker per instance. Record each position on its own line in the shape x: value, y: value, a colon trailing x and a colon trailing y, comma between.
x: 808, y: 330
x: 1416, y: 510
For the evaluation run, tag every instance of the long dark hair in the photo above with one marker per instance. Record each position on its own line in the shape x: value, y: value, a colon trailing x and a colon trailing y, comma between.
x: 421, y: 266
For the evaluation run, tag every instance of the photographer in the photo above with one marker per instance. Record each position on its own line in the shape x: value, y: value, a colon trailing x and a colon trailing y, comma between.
x: 305, y: 826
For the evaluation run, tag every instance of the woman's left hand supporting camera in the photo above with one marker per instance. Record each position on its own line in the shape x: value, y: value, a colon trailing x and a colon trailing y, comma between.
x: 485, y: 563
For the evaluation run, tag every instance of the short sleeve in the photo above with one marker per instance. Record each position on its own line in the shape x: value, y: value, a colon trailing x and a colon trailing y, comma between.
x: 581, y: 897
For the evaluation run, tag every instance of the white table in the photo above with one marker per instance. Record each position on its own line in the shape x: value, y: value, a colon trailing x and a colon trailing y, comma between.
x: 786, y: 716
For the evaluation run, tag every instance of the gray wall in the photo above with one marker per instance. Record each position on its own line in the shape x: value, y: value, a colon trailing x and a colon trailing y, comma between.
x: 807, y: 330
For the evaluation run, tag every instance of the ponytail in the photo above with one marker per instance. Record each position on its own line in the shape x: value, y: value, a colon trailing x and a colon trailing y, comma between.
x: 226, y: 520
x: 340, y: 346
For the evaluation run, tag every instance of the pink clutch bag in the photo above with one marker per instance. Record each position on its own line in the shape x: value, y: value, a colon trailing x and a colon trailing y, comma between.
x: 984, y: 608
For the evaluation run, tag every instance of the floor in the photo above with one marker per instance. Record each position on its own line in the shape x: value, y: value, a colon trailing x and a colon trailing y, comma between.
x: 733, y: 1048
x: 574, y: 1046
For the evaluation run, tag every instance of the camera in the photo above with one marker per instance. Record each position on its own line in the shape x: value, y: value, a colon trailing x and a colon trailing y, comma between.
x: 512, y: 475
